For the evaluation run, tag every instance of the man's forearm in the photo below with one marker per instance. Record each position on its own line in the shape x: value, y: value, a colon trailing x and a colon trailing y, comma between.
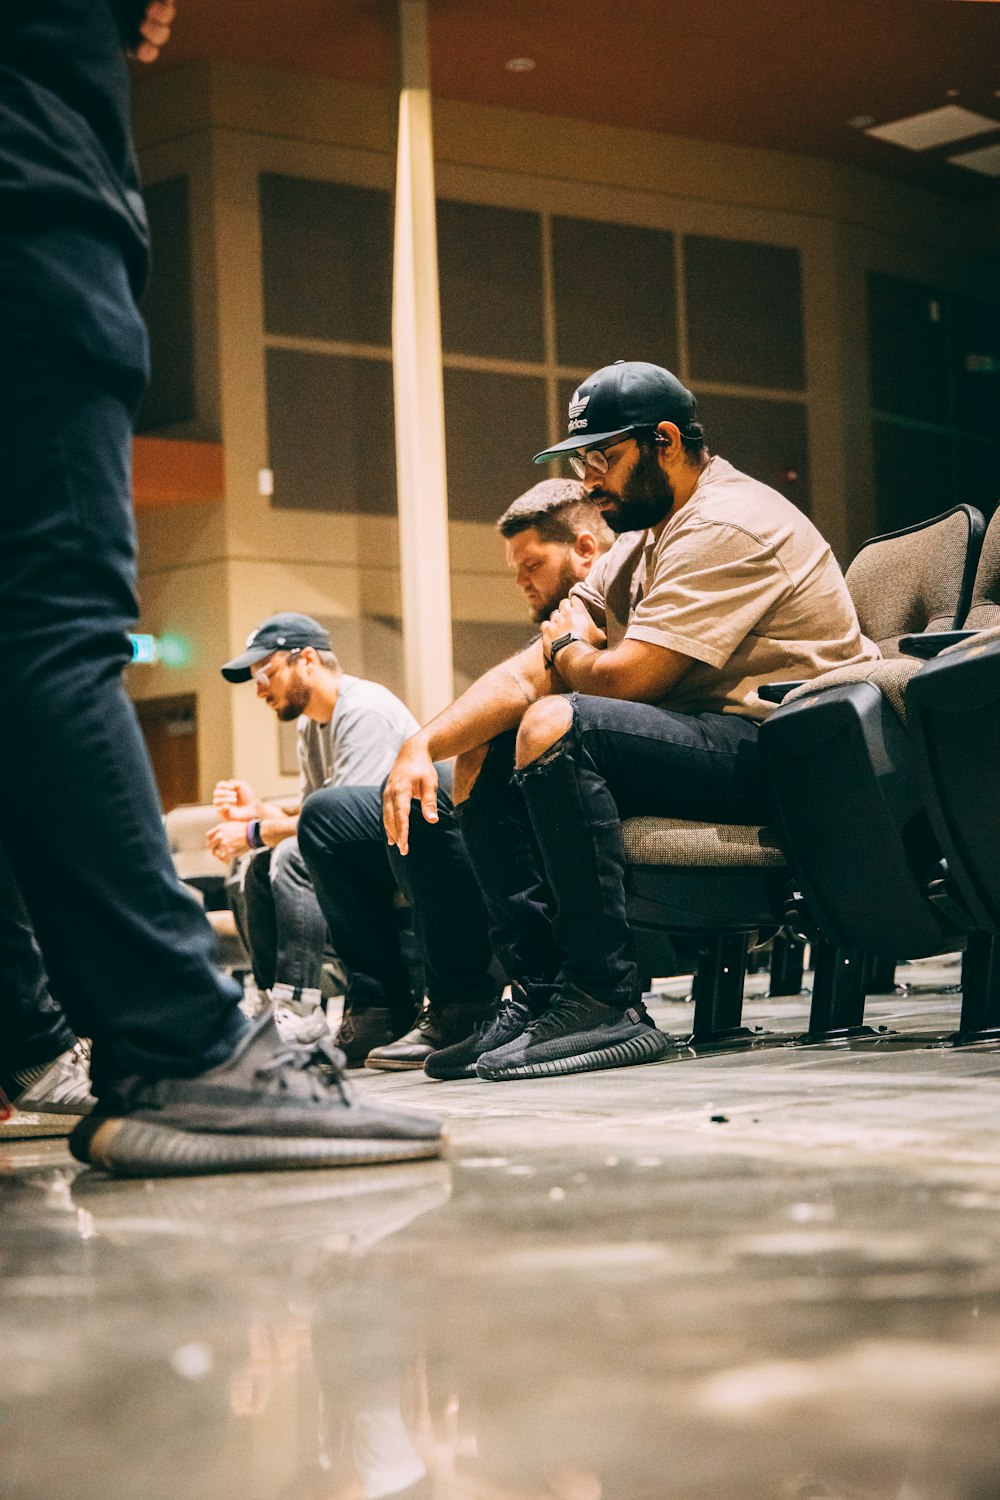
x: 273, y: 830
x: 495, y: 703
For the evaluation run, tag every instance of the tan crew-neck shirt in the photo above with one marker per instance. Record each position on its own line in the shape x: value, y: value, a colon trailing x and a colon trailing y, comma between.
x: 740, y: 581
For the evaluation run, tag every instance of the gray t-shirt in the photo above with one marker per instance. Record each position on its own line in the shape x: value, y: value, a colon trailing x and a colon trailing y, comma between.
x: 361, y: 741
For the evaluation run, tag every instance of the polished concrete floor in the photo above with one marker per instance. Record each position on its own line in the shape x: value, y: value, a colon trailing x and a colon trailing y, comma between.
x: 727, y: 1278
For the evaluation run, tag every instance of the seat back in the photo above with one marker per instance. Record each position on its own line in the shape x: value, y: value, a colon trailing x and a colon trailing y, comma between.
x: 984, y: 611
x: 917, y: 579
x: 954, y: 717
x: 850, y: 816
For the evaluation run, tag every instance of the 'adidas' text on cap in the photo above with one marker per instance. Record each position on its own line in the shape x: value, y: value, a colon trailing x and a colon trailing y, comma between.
x: 621, y: 399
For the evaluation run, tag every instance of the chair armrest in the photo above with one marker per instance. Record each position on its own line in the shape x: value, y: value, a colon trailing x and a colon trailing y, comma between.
x: 777, y: 692
x: 933, y: 642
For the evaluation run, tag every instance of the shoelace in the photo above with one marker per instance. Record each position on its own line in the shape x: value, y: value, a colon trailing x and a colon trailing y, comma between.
x: 564, y: 1014
x: 503, y: 1010
x: 321, y: 1061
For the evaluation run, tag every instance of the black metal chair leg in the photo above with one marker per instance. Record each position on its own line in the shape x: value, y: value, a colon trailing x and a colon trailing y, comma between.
x: 787, y: 962
x: 880, y: 975
x: 980, y: 1018
x: 838, y: 999
x: 718, y: 998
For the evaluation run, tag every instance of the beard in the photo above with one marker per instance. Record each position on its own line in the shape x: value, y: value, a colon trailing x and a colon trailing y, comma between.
x: 563, y: 584
x: 647, y: 496
x: 294, y: 706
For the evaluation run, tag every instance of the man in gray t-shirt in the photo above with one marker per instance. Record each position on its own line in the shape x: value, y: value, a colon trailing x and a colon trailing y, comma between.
x: 349, y: 732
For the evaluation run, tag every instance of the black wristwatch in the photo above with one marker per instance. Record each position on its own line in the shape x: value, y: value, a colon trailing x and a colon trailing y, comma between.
x: 557, y: 645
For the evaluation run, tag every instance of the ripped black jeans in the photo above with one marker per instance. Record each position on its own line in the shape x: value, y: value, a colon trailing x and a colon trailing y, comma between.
x: 546, y: 841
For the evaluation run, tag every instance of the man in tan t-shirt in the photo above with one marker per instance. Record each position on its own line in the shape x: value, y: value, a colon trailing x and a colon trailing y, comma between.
x: 640, y: 697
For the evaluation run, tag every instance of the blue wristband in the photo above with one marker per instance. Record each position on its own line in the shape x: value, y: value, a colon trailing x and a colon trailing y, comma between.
x: 253, y: 834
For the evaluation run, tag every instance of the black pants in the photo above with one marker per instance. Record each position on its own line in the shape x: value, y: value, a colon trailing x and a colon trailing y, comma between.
x: 126, y: 948
x: 546, y: 841
x: 34, y: 1029
x: 344, y: 846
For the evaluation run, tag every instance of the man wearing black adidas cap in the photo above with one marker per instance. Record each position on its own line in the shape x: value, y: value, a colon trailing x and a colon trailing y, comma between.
x: 641, y: 697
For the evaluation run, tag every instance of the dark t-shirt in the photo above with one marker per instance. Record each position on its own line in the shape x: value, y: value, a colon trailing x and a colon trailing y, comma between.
x: 66, y: 153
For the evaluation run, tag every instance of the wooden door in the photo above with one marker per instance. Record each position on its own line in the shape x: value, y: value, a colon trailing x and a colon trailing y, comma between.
x: 170, y: 727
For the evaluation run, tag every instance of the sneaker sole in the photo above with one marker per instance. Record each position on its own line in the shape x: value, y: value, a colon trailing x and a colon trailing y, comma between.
x: 135, y: 1148
x: 469, y: 1071
x: 637, y: 1049
x: 392, y: 1065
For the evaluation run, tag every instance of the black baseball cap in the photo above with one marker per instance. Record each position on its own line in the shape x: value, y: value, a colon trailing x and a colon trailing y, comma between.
x: 284, y: 632
x: 620, y: 399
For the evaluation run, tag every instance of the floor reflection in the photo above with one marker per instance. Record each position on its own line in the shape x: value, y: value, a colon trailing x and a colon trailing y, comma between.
x: 603, y: 1296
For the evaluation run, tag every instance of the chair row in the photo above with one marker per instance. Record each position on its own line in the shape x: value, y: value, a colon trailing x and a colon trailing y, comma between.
x: 884, y: 838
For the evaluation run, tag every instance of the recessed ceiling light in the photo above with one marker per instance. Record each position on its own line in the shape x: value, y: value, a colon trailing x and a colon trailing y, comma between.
x: 985, y: 160
x: 935, y: 127
x: 519, y: 64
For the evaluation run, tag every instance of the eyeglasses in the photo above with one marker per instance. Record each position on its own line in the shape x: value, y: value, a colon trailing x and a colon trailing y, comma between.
x: 594, y: 459
x: 264, y: 672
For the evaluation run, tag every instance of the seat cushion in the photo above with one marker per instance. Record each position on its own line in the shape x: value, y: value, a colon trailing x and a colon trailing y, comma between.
x: 680, y: 844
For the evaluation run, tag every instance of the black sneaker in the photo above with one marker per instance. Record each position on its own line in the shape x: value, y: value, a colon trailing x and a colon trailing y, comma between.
x: 272, y: 1106
x: 361, y: 1030
x: 577, y: 1035
x: 500, y: 1027
x: 437, y: 1027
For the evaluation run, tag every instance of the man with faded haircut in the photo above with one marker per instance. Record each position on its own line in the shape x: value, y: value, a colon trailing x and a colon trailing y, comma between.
x: 554, y: 534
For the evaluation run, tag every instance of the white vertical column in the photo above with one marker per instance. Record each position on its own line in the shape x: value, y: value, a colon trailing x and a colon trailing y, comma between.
x: 421, y: 479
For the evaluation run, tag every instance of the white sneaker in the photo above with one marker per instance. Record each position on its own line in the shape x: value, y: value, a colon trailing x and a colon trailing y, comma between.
x: 64, y: 1087
x: 301, y: 1020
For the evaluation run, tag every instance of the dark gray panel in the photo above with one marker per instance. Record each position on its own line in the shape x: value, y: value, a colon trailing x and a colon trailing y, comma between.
x: 327, y: 251
x: 909, y: 349
x: 615, y: 293
x: 766, y: 439
x: 490, y: 263
x: 477, y: 645
x: 330, y: 433
x: 912, y: 482
x: 481, y: 644
x: 168, y: 308
x: 495, y: 423
x: 975, y: 337
x: 744, y: 312
x: 977, y: 474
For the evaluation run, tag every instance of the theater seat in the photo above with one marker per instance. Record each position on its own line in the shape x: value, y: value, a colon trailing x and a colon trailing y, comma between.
x: 714, y: 883
x: 917, y: 579
x: 850, y: 811
x: 954, y: 707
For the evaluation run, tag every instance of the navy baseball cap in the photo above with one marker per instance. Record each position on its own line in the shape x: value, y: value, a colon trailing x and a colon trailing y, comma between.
x: 284, y: 632
x: 620, y: 399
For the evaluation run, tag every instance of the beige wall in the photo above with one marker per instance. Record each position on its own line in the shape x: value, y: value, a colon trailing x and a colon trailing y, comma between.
x: 212, y: 572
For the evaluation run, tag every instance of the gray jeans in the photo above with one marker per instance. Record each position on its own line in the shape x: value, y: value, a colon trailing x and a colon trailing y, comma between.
x: 278, y: 917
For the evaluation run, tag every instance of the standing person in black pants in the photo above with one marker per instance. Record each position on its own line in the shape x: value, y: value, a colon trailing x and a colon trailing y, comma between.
x: 182, y: 1084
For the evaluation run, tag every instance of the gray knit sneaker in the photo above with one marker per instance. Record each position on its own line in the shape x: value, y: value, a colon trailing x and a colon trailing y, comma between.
x: 61, y: 1088
x: 272, y: 1106
x: 577, y: 1034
